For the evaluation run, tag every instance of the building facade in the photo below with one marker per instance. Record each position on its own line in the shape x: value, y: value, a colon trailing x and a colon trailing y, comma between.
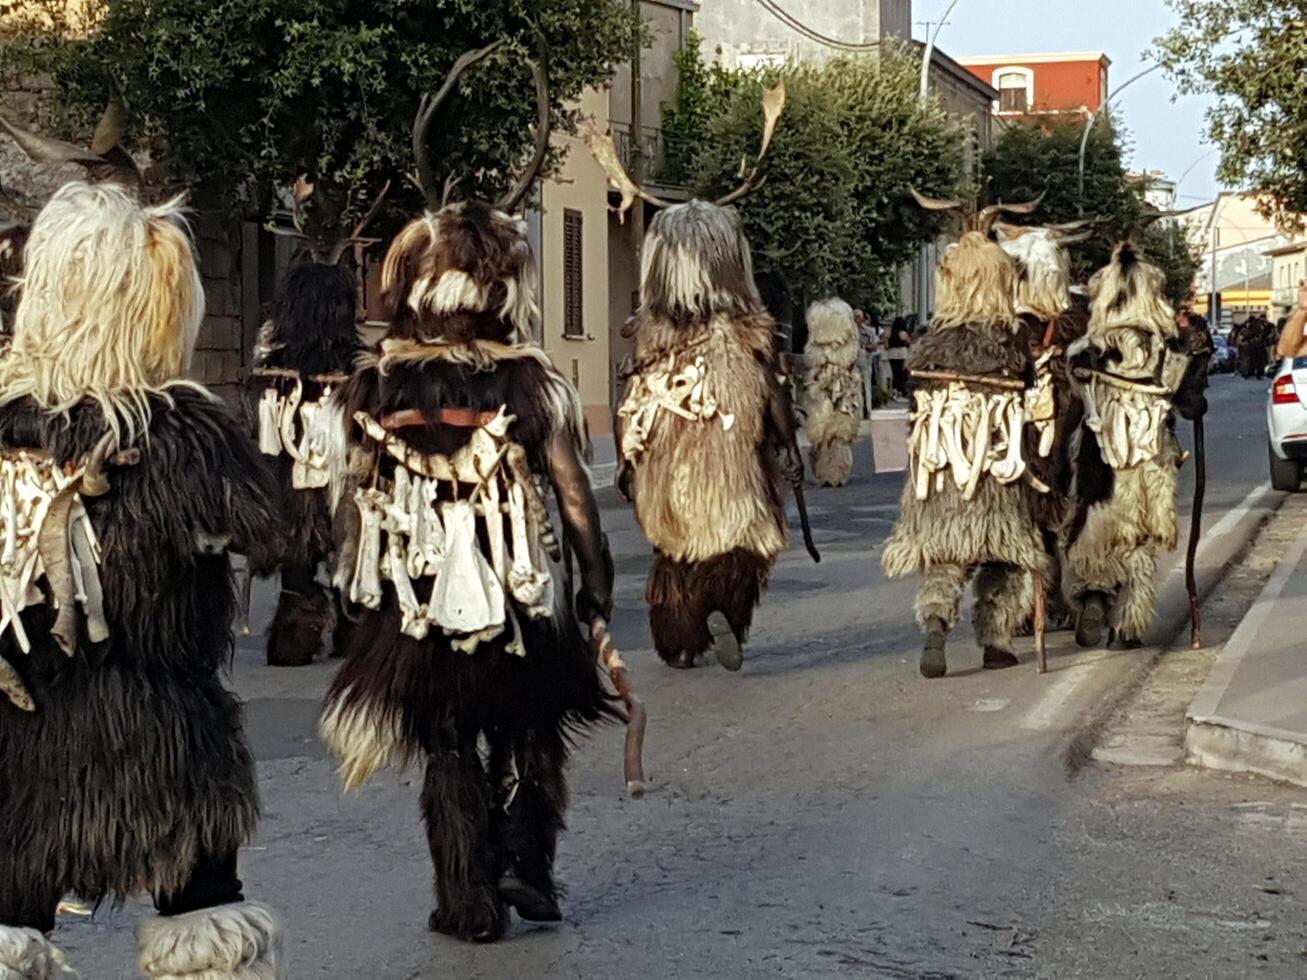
x: 1233, y: 240
x: 753, y: 33
x: 589, y: 261
x: 1288, y: 269
x: 1069, y: 83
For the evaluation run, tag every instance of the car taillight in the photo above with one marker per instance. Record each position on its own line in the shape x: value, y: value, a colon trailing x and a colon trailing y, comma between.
x: 1283, y: 392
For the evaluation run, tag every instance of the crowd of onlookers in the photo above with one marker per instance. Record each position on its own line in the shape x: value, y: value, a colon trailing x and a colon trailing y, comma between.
x: 886, y: 352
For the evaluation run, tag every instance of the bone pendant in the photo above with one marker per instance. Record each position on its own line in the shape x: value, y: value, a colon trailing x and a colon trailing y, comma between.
x: 466, y: 597
x: 270, y: 423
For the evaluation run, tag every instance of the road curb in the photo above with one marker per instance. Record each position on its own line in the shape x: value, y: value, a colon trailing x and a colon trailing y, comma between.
x: 1221, y: 547
x: 1213, y: 741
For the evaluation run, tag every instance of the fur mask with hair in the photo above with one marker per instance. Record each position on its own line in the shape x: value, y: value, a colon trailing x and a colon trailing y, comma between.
x: 696, y: 265
x: 975, y: 284
x: 12, y: 242
x: 460, y: 274
x: 1128, y: 311
x: 110, y: 307
x: 831, y: 324
x: 312, y: 327
x: 1043, y: 273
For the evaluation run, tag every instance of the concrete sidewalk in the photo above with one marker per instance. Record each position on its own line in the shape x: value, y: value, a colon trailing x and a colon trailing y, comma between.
x: 1251, y: 714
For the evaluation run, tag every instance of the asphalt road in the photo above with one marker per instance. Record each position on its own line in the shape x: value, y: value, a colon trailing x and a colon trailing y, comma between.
x: 826, y: 812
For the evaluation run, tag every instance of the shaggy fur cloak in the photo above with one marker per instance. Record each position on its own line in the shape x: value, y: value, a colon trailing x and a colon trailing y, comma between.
x: 832, y: 395
x: 311, y: 331
x: 702, y: 490
x: 998, y: 524
x: 393, y: 693
x: 134, y: 761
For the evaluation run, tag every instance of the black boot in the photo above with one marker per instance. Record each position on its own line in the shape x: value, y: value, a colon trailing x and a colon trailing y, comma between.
x: 681, y: 661
x: 1120, y: 642
x: 1092, y: 620
x: 997, y: 658
x: 725, y: 644
x: 933, y: 662
x: 295, y: 635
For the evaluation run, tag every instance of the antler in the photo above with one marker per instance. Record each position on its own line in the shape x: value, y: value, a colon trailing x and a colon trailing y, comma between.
x: 605, y: 154
x: 355, y: 237
x: 986, y: 216
x: 936, y: 203
x: 427, y: 111
x: 106, y: 156
x: 773, y: 104
x: 539, y: 72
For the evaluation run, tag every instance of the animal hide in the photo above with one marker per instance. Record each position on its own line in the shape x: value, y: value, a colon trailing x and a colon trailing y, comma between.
x: 241, y: 941
x: 134, y: 760
x: 703, y: 489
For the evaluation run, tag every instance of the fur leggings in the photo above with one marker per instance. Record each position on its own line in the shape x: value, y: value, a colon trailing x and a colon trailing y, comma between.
x: 212, y: 882
x: 484, y: 819
x: 682, y: 594
x: 1128, y: 579
x: 1003, y: 600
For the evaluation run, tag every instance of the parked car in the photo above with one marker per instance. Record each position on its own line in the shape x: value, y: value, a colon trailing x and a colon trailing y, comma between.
x: 1223, y: 356
x: 1286, y: 423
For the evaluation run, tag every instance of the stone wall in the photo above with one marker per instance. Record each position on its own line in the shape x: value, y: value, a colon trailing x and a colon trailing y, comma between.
x: 226, y: 250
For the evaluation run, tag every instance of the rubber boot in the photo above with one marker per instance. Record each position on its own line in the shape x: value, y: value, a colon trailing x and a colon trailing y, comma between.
x: 997, y: 658
x: 933, y: 662
x: 725, y: 644
x: 1092, y: 620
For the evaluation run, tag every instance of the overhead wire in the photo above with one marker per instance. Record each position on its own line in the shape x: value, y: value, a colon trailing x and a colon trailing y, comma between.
x: 775, y: 9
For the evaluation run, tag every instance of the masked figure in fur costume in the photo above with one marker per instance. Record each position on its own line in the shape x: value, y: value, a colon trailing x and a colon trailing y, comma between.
x: 832, y: 394
x: 123, y: 766
x: 445, y: 446
x: 306, y: 348
x: 1054, y: 319
x: 1133, y: 368
x: 966, y: 507
x: 703, y: 420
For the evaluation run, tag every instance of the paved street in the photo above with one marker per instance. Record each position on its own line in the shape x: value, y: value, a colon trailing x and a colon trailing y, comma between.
x: 827, y: 812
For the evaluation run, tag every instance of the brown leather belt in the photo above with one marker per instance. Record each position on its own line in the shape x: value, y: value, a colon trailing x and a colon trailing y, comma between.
x: 459, y: 418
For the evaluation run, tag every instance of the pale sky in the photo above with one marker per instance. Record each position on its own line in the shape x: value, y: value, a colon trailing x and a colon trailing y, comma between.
x: 1164, y: 135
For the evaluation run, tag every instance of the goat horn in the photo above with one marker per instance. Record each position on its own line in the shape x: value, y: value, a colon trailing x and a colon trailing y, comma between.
x: 935, y: 203
x: 540, y: 73
x: 773, y: 104
x: 986, y: 217
x: 605, y: 154
x: 427, y: 111
x: 43, y: 149
x: 94, y: 483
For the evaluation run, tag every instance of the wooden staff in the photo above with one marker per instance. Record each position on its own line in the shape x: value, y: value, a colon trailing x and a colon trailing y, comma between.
x: 1195, y: 532
x: 615, y: 667
x: 1041, y: 625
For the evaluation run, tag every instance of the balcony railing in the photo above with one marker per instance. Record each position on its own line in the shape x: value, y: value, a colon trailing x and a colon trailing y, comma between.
x: 652, y: 146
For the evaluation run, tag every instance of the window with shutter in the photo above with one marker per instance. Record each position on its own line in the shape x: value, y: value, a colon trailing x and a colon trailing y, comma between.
x: 573, y: 323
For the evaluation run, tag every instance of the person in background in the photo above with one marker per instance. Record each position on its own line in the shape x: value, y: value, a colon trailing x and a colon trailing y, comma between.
x: 897, y: 340
x: 869, y: 341
x: 1291, y: 342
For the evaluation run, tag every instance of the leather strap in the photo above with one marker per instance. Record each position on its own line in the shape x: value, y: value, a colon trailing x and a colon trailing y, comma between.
x: 459, y: 418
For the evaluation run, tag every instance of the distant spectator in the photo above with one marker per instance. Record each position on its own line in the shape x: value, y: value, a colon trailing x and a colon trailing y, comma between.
x: 897, y: 340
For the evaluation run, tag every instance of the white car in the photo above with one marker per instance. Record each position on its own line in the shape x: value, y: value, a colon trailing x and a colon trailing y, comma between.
x: 1286, y: 423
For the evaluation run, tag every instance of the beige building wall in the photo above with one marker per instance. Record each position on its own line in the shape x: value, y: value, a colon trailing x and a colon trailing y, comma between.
x: 579, y: 187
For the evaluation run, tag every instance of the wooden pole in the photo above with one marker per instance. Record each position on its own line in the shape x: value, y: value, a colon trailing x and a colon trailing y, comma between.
x: 1041, y: 625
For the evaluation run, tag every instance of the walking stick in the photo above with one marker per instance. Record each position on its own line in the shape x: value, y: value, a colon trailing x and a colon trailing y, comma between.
x: 636, y: 718
x: 244, y: 588
x: 1195, y: 531
x: 1041, y: 624
x: 802, y: 505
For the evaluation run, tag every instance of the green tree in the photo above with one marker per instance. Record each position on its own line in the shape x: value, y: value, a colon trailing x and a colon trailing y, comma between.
x: 1251, y: 55
x: 1036, y: 158
x: 236, y: 97
x: 835, y: 213
x: 1167, y: 246
x: 700, y: 91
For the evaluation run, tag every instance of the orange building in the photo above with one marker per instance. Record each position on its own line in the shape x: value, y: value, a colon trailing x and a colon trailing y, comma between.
x: 1038, y: 84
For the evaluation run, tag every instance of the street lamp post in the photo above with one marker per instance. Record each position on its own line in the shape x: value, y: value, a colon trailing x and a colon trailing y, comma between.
x: 929, y: 53
x: 1089, y: 125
